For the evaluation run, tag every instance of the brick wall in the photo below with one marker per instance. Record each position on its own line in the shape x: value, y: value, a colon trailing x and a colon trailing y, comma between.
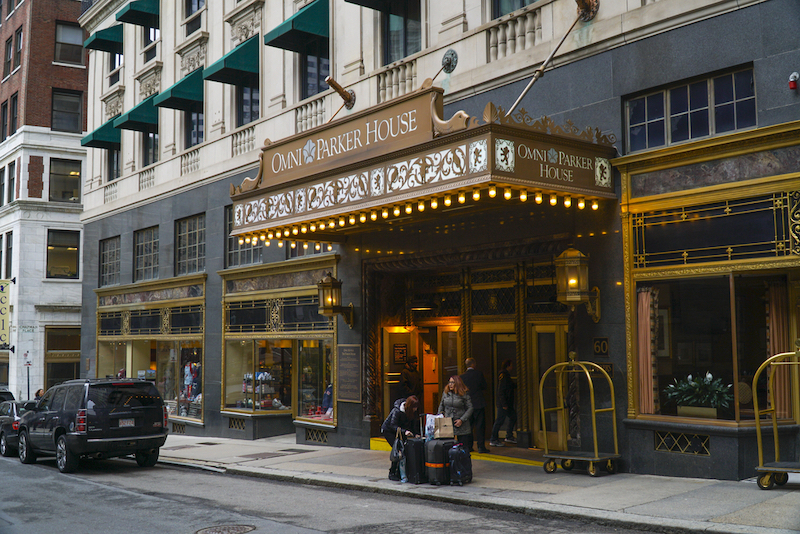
x: 35, y: 176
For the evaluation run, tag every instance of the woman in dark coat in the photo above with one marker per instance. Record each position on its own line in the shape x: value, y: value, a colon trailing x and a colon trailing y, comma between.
x: 458, y: 405
x: 404, y: 417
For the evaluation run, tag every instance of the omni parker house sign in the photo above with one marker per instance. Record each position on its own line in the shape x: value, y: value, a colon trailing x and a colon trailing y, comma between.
x: 359, y: 169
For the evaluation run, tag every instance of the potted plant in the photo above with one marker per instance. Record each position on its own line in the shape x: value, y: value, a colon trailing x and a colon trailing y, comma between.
x: 701, y: 397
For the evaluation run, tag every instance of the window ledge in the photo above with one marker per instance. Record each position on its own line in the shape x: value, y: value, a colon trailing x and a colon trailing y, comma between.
x: 330, y: 427
x: 256, y: 415
x: 62, y: 280
x: 68, y: 65
x: 186, y: 421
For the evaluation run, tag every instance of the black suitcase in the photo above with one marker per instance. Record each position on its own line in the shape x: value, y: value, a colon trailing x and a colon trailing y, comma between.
x: 415, y: 461
x: 437, y: 461
x: 460, y: 465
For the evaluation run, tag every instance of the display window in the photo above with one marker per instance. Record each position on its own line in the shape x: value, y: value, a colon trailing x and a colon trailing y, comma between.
x: 258, y: 374
x: 315, y: 380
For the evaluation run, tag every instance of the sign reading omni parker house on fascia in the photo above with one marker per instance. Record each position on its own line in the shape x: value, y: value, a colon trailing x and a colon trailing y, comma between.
x: 399, y: 124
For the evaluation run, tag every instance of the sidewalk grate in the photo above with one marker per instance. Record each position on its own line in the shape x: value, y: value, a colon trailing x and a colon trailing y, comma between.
x: 227, y: 529
x: 261, y: 455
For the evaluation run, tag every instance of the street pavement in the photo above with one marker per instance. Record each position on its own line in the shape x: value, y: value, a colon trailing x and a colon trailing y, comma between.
x: 644, y: 502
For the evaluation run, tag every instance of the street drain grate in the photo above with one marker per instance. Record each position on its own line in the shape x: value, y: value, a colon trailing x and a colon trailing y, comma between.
x: 227, y: 529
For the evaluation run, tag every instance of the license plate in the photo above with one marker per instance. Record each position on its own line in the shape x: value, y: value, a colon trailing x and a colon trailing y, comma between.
x: 125, y: 422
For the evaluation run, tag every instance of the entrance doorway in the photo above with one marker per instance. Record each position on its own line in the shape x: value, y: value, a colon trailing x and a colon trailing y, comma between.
x: 548, y: 346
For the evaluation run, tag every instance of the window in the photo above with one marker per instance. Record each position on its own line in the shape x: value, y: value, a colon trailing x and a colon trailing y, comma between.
x: 504, y: 7
x: 9, y: 57
x: 109, y: 261
x: 12, y: 176
x: 193, y: 125
x: 69, y: 43
x: 62, y: 253
x: 247, y: 104
x: 149, y: 43
x: 9, y: 254
x: 236, y: 254
x: 305, y: 248
x: 1, y: 254
x: 190, y: 248
x: 149, y: 148
x: 65, y: 180
x: 13, y: 113
x: 692, y: 111
x: 315, y: 68
x: 114, y: 66
x: 66, y: 111
x: 4, y: 121
x: 145, y: 254
x: 192, y: 7
x: 18, y: 48
x: 2, y: 186
x: 258, y: 374
x: 113, y: 165
x: 401, y: 30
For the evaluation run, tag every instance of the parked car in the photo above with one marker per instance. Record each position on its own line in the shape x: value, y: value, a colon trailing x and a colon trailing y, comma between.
x: 96, y: 418
x: 10, y: 414
x: 5, y: 394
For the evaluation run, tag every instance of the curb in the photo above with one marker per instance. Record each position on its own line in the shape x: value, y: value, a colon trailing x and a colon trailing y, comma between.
x: 528, y: 508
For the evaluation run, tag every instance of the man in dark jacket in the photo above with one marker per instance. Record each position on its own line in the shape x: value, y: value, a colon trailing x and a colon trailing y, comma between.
x: 505, y: 407
x: 410, y: 379
x: 476, y: 385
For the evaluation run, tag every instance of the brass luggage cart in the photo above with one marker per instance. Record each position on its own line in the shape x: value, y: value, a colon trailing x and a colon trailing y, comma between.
x: 776, y: 472
x: 594, y: 459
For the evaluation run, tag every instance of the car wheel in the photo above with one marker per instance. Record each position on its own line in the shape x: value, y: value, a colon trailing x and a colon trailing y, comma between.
x: 26, y: 454
x: 146, y: 458
x: 66, y: 460
x: 4, y: 448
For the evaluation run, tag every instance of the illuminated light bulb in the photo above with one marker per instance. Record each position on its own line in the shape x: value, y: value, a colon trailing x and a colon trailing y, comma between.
x: 270, y: 235
x: 553, y: 200
x: 294, y: 243
x: 267, y: 242
x: 448, y: 200
x: 342, y: 222
x: 263, y: 237
x: 595, y: 205
x: 385, y: 213
x: 280, y: 243
x: 241, y: 240
x: 492, y: 190
x: 373, y: 215
x: 573, y: 282
x: 305, y: 245
x: 330, y: 247
x: 285, y: 232
x: 507, y: 193
x: 295, y: 230
x: 312, y: 227
x: 421, y: 205
x: 537, y: 197
x: 408, y: 209
x: 247, y: 239
x: 331, y: 224
x: 523, y: 195
x: 462, y: 197
x: 567, y: 202
x: 476, y: 194
x: 434, y: 203
x: 317, y: 246
x: 396, y: 211
x: 303, y: 229
x: 362, y: 218
x: 581, y: 203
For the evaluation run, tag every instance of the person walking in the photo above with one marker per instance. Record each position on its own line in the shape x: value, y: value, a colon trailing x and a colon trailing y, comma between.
x: 476, y: 385
x: 505, y: 407
x: 404, y: 417
x: 458, y: 405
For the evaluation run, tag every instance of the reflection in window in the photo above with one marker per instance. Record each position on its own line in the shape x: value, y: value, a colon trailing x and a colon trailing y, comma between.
x: 247, y: 104
x: 402, y: 30
x: 66, y: 112
x: 69, y: 43
x: 504, y: 7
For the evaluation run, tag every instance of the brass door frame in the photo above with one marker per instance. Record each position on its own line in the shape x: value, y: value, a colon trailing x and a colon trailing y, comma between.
x: 555, y: 440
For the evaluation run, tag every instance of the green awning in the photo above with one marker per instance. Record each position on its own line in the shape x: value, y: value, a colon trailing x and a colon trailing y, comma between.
x: 106, y: 136
x: 142, y: 117
x: 237, y: 67
x: 184, y: 94
x: 140, y: 12
x: 308, y: 24
x: 108, y: 40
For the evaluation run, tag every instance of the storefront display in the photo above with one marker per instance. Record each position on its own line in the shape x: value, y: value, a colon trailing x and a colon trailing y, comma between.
x: 316, y: 381
x: 258, y: 375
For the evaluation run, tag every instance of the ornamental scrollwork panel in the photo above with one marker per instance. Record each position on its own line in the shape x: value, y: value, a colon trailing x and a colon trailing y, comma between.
x: 794, y: 222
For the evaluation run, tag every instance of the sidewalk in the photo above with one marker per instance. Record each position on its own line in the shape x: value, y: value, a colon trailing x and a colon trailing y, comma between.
x: 645, y: 502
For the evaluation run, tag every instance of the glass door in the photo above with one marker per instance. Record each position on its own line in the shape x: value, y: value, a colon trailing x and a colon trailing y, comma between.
x: 549, y: 346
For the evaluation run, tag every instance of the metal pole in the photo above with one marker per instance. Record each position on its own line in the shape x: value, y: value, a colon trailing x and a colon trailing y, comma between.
x: 28, y: 368
x: 540, y: 71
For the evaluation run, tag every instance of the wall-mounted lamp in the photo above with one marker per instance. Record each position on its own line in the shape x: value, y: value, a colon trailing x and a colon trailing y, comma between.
x: 330, y: 298
x: 572, y: 282
x: 793, y: 81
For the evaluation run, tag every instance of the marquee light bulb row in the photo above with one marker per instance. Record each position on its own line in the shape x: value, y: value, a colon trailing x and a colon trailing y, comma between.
x: 398, y: 209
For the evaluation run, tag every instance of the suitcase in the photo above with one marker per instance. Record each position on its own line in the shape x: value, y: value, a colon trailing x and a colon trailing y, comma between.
x: 460, y: 465
x: 415, y: 461
x: 437, y: 461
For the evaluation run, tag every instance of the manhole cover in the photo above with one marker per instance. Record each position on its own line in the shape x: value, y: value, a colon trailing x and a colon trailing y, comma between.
x: 227, y: 529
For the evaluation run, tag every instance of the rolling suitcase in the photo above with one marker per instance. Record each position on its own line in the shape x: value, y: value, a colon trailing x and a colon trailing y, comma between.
x: 415, y: 461
x: 460, y: 465
x: 437, y: 461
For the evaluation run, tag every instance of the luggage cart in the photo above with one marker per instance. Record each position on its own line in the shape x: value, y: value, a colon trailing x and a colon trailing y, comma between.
x: 595, y: 459
x: 776, y: 472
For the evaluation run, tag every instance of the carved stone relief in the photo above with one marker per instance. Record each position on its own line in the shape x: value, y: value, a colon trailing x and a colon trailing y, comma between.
x: 245, y: 24
x: 193, y: 58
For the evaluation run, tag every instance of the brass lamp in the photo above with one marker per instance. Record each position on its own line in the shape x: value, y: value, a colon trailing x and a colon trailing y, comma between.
x: 572, y: 282
x: 330, y: 299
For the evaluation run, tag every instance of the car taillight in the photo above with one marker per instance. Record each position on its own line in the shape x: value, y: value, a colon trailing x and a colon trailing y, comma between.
x: 166, y: 416
x: 15, y: 425
x: 80, y: 421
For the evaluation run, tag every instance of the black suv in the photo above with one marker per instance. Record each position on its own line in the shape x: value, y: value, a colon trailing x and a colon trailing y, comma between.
x: 6, y: 395
x: 98, y: 418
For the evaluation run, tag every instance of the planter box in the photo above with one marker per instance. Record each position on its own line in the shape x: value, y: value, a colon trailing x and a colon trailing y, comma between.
x: 697, y: 411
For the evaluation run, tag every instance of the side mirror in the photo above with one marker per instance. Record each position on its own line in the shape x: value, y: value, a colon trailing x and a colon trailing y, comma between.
x: 30, y: 405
